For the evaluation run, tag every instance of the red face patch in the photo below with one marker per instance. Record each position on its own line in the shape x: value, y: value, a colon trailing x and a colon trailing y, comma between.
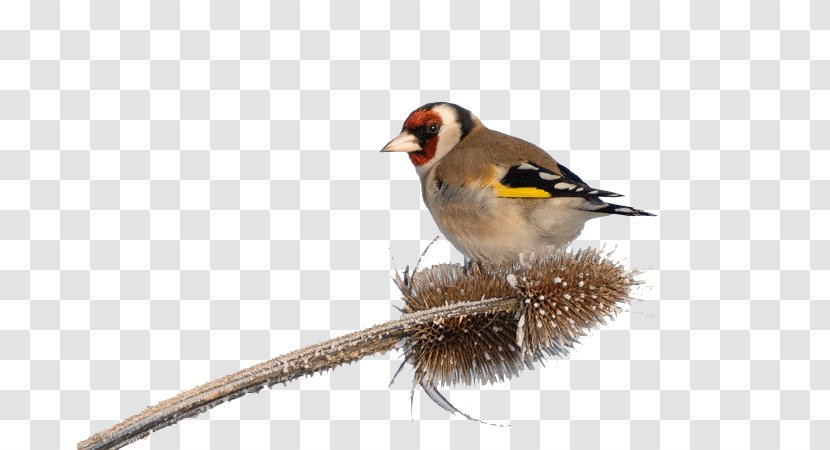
x: 423, y: 156
x: 421, y: 117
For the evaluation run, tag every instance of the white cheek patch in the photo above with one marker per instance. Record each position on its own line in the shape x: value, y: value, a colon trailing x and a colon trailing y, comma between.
x: 447, y: 139
x: 450, y: 133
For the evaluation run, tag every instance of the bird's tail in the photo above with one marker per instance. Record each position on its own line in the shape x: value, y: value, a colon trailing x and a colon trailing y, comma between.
x: 599, y: 206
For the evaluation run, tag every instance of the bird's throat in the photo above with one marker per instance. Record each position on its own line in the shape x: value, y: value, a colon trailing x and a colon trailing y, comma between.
x: 422, y: 157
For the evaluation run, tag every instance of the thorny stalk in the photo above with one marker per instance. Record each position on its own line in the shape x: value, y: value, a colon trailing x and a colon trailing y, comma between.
x: 461, y: 324
x: 306, y: 361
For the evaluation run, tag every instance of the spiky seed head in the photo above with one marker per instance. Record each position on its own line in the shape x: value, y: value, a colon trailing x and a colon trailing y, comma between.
x: 559, y: 297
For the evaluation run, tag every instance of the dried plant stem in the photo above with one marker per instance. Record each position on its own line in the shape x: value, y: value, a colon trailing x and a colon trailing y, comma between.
x: 305, y: 361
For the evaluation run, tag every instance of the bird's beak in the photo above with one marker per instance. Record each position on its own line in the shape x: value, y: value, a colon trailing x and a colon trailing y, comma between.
x: 405, y: 142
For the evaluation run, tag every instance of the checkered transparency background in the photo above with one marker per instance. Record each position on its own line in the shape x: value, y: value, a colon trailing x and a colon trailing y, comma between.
x: 190, y: 187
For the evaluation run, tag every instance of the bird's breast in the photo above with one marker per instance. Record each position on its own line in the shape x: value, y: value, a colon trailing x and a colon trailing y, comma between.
x: 481, y: 225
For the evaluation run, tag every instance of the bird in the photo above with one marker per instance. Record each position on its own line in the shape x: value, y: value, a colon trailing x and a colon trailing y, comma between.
x: 496, y: 197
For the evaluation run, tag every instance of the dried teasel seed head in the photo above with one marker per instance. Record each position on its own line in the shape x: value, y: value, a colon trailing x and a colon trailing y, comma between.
x: 562, y: 283
x: 559, y: 296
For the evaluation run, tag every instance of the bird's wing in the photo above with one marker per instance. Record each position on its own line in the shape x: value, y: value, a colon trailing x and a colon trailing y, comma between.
x: 531, y: 180
x: 513, y: 167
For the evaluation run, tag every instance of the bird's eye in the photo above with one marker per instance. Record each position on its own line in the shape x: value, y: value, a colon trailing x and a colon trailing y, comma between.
x: 432, y: 128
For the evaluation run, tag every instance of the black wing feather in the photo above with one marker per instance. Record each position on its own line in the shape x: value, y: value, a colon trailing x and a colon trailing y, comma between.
x: 570, y: 175
x: 568, y: 184
x: 610, y: 208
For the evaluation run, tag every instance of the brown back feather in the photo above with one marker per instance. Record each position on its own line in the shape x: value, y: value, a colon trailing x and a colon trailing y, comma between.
x: 501, y: 149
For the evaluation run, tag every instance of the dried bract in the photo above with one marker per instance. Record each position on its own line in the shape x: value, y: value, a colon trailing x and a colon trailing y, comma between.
x: 559, y: 296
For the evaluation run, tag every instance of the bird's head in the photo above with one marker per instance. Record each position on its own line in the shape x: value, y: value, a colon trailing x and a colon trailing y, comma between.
x: 431, y: 131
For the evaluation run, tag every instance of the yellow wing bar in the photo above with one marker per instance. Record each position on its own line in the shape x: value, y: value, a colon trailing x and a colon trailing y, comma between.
x: 520, y: 192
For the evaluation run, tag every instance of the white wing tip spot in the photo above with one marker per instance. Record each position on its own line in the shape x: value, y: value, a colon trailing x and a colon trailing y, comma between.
x: 548, y: 176
x: 526, y: 166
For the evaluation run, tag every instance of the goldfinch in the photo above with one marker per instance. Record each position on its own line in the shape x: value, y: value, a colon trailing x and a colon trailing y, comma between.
x: 495, y: 196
